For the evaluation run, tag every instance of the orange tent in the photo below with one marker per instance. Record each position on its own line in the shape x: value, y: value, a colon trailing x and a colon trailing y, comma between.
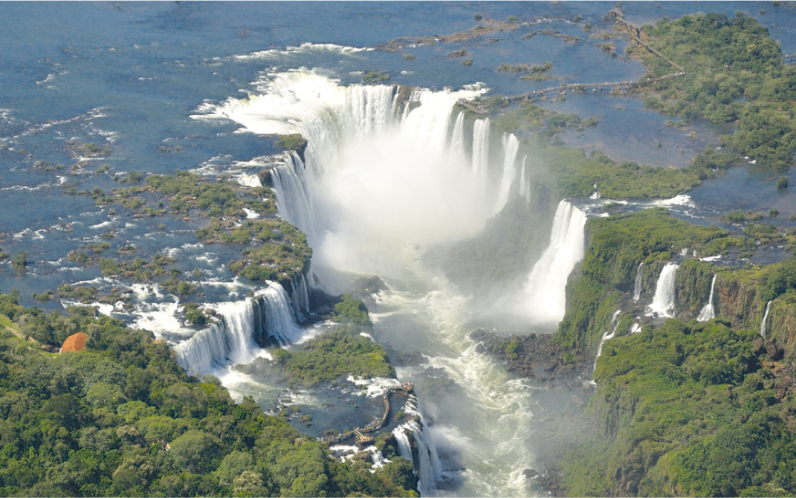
x: 75, y: 342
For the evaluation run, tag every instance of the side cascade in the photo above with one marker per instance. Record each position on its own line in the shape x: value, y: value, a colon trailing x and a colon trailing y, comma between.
x: 637, y: 286
x: 765, y: 319
x: 243, y: 325
x: 606, y: 336
x: 293, y: 196
x: 708, y: 312
x: 545, y: 288
x: 480, y: 147
x: 428, y: 466
x: 525, y: 184
x: 300, y: 298
x: 663, y: 302
x: 510, y: 148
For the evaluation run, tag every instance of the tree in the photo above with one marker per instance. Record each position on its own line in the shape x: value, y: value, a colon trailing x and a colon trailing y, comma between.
x: 782, y: 182
x: 194, y: 450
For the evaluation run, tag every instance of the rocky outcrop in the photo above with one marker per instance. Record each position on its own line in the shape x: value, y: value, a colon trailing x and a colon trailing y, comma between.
x: 534, y: 356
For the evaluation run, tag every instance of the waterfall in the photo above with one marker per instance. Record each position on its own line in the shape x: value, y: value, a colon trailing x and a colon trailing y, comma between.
x: 480, y: 147
x: 300, y: 297
x: 663, y: 302
x: 708, y: 312
x: 276, y: 313
x: 606, y: 336
x: 457, y: 138
x: 546, y: 284
x: 765, y: 317
x: 427, y: 464
x: 233, y: 340
x: 510, y: 148
x: 637, y: 287
x: 404, y: 448
x: 525, y: 185
x: 293, y: 198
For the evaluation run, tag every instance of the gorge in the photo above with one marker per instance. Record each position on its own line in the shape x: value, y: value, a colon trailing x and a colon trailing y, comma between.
x: 376, y: 274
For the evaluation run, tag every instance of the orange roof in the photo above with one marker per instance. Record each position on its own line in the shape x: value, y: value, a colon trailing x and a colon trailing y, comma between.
x: 75, y: 342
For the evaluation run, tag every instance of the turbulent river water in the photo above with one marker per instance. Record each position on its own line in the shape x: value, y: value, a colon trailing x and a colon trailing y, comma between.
x: 386, y: 177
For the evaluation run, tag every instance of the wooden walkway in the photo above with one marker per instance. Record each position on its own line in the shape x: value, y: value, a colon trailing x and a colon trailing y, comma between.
x: 360, y: 433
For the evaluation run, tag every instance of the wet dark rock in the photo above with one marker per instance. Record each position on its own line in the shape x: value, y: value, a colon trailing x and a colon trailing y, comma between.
x: 774, y: 351
x: 411, y: 359
x: 530, y: 474
x: 534, y: 356
x: 369, y: 285
x: 758, y: 345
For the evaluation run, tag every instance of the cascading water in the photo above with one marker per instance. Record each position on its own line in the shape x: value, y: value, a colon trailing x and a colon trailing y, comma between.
x: 637, y: 286
x: 382, y: 190
x: 293, y: 198
x: 663, y: 301
x: 233, y: 339
x: 457, y: 138
x: 510, y: 148
x: 480, y: 147
x: 300, y: 298
x: 545, y: 288
x: 708, y: 312
x: 607, y: 335
x: 525, y: 185
x: 765, y: 318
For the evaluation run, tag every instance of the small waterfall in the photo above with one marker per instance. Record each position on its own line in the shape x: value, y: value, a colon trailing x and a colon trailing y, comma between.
x: 637, y: 287
x: 546, y: 284
x: 300, y: 298
x: 765, y: 318
x: 228, y: 341
x: 457, y: 138
x: 607, y: 335
x: 663, y: 302
x: 510, y: 148
x: 293, y: 199
x: 480, y: 147
x: 404, y: 448
x: 708, y: 312
x: 525, y: 184
x: 233, y: 340
x: 427, y: 465
x: 276, y: 312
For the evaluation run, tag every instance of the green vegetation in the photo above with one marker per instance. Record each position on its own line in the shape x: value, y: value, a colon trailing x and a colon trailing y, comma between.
x: 782, y: 183
x: 195, y: 316
x: 375, y: 77
x: 458, y: 53
x: 20, y: 261
x: 534, y: 73
x: 687, y: 410
x: 735, y: 74
x: 575, y: 174
x: 122, y: 419
x: 617, y: 245
x: 467, y: 62
x: 338, y: 353
x: 293, y: 142
x: 352, y: 311
x: 272, y: 248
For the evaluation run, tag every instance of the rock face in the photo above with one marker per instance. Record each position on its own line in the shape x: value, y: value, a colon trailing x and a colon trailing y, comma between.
x: 738, y: 302
x: 534, y: 356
